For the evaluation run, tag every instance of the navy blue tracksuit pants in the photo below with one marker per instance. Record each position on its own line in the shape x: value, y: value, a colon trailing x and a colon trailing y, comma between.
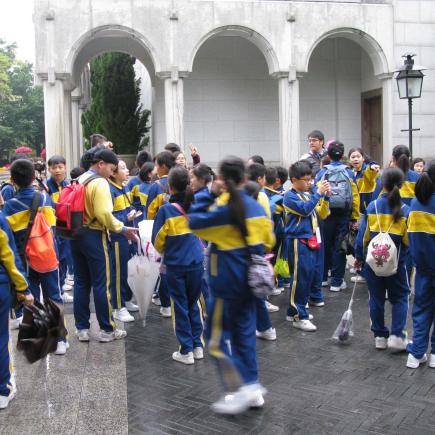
x: 120, y: 254
x: 263, y: 318
x: 5, y: 358
x: 92, y: 270
x: 398, y: 294
x: 185, y: 286
x: 423, y: 315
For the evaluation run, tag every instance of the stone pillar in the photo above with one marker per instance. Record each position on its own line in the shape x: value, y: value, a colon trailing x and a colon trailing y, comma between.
x: 68, y: 129
x: 76, y: 129
x: 174, y: 110
x: 387, y: 116
x: 288, y: 89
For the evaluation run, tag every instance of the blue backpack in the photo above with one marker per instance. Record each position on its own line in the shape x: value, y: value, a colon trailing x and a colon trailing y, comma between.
x: 341, y: 186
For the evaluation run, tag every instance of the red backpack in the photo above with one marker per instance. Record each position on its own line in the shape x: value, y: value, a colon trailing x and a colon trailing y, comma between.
x: 70, y: 209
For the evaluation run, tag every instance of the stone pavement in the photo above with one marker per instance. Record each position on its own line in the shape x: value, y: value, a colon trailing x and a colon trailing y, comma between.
x: 315, y: 386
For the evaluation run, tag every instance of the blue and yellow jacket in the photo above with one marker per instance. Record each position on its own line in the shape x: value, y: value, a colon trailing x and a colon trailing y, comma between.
x: 303, y: 211
x: 11, y: 268
x: 355, y: 215
x: 54, y: 189
x: 133, y: 187
x: 228, y: 260
x: 421, y: 233
x: 173, y: 239
x: 17, y: 212
x: 369, y: 228
x: 366, y: 182
x: 277, y: 210
x: 121, y: 198
x: 8, y: 191
x: 407, y: 191
x: 157, y: 196
x: 143, y: 192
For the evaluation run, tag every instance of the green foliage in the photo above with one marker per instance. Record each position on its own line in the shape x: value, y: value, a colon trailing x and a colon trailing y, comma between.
x: 21, y: 105
x: 115, y: 110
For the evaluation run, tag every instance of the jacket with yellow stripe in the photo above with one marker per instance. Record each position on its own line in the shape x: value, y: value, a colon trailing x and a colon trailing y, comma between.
x: 172, y: 238
x: 229, y: 255
x: 17, y: 211
x: 11, y: 268
x: 355, y: 215
x: 157, y: 196
x: 366, y: 182
x: 421, y: 234
x: 133, y: 187
x: 54, y: 189
x: 121, y: 198
x: 407, y: 191
x: 99, y: 205
x: 142, y: 192
x: 369, y: 228
x: 303, y: 211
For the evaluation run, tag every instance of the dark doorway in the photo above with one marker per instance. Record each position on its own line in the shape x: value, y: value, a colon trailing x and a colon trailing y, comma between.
x: 371, y: 124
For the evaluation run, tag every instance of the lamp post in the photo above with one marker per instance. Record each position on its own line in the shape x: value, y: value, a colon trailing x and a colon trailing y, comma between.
x: 409, y: 85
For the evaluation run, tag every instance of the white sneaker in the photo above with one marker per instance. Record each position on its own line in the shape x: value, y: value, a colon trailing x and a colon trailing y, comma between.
x: 268, y: 334
x: 4, y: 400
x: 62, y: 346
x: 381, y: 343
x: 305, y: 325
x: 292, y: 319
x: 123, y: 315
x: 83, y: 335
x: 15, y: 323
x: 258, y: 401
x: 432, y: 361
x: 198, y: 353
x: 271, y: 308
x: 70, y: 277
x: 166, y: 311
x: 184, y: 359
x: 116, y: 334
x: 156, y: 301
x: 67, y: 287
x: 240, y: 401
x: 277, y: 291
x: 413, y: 362
x: 358, y: 278
x: 317, y: 304
x: 337, y: 289
x: 131, y: 306
x: 397, y: 343
x: 325, y: 283
x: 67, y: 299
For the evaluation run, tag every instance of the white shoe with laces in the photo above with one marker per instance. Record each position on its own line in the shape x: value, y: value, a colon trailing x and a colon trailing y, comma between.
x: 123, y: 315
x: 317, y: 304
x: 62, y: 346
x: 198, y: 353
x: 325, y: 283
x: 166, y: 311
x: 292, y: 319
x: 413, y: 362
x: 184, y: 359
x: 15, y: 323
x: 156, y: 301
x: 4, y: 400
x: 343, y: 286
x: 304, y: 325
x: 67, y: 299
x: 271, y: 308
x: 83, y: 335
x: 358, y: 278
x: 432, y: 361
x: 107, y: 337
x: 268, y: 334
x: 381, y: 343
x: 397, y: 343
x: 67, y: 287
x: 277, y: 291
x: 241, y: 400
x: 131, y: 306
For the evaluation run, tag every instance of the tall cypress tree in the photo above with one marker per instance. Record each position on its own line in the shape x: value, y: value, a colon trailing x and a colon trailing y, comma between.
x: 115, y: 110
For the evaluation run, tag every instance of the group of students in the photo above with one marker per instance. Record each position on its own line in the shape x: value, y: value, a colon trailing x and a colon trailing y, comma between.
x: 206, y: 229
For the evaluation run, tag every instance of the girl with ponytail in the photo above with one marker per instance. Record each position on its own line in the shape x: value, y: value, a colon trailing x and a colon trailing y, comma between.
x: 388, y: 214
x: 421, y: 233
x: 230, y: 220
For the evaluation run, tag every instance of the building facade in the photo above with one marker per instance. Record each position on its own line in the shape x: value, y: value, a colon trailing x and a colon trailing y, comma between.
x: 245, y: 77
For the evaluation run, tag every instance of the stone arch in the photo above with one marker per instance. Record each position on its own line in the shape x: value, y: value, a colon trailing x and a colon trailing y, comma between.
x: 363, y: 39
x: 245, y: 32
x: 110, y: 38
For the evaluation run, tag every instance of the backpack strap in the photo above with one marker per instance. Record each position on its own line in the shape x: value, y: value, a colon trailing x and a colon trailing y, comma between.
x: 33, y: 210
x: 91, y: 178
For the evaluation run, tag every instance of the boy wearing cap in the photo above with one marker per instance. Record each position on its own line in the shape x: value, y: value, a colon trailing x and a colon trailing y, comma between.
x: 90, y: 251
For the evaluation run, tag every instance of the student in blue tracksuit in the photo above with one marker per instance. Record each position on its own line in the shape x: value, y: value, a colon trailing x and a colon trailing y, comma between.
x: 145, y: 175
x: 183, y: 256
x: 302, y: 242
x: 17, y: 211
x: 7, y: 190
x: 387, y: 213
x: 11, y: 272
x: 231, y: 321
x: 159, y: 195
x: 421, y: 233
x: 134, y: 182
x: 345, y: 213
x: 121, y: 294
x: 55, y: 184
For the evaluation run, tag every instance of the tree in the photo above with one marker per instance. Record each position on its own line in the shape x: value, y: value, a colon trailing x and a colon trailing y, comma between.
x: 115, y: 110
x: 21, y: 104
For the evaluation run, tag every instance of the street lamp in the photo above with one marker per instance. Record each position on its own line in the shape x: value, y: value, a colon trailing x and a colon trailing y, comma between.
x: 409, y: 84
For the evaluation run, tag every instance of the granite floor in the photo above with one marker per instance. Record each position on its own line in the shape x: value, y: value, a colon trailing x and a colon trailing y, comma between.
x: 315, y: 386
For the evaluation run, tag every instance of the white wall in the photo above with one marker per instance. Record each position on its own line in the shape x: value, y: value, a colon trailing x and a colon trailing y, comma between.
x: 414, y: 26
x: 231, y: 102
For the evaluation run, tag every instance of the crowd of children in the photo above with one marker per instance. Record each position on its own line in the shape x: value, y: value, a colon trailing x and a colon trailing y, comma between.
x: 206, y: 228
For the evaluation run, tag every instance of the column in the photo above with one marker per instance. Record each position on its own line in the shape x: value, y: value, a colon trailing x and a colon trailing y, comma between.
x: 174, y: 110
x: 387, y: 116
x: 68, y: 131
x: 76, y: 130
x: 288, y: 88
